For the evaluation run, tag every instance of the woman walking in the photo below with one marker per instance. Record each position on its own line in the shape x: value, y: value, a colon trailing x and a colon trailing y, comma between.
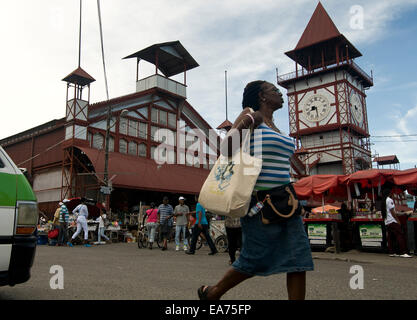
x: 151, y: 223
x: 82, y: 211
x: 274, y: 248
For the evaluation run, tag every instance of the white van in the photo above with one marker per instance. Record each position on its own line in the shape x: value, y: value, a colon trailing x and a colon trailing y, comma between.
x: 18, y: 221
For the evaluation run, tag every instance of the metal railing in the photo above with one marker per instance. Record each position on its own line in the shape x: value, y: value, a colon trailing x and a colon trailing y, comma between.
x: 304, y: 72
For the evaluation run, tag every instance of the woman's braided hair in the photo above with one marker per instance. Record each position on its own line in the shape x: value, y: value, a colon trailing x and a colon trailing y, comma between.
x: 251, y: 95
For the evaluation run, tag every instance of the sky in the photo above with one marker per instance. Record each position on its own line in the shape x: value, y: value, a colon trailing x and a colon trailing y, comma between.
x: 245, y: 37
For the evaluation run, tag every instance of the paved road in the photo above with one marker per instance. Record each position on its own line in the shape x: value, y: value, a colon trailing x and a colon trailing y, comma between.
x: 121, y: 271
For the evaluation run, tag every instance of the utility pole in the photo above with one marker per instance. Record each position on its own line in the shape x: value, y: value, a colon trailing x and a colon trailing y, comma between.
x: 106, y: 157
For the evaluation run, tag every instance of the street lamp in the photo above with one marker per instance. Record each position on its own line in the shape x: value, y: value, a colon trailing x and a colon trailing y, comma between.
x: 106, y: 156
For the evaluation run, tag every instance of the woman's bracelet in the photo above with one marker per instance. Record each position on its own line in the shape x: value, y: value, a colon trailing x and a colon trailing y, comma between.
x: 250, y: 116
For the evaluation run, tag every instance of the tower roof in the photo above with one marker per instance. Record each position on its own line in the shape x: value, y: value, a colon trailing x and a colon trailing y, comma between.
x: 319, y: 28
x: 321, y: 35
x: 80, y: 77
x: 170, y: 57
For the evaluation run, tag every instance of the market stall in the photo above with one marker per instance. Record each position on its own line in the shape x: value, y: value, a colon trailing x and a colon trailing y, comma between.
x: 322, y: 224
x: 408, y: 180
x: 368, y: 227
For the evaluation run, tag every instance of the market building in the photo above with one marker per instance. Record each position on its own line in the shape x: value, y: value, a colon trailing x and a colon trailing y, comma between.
x: 158, y: 144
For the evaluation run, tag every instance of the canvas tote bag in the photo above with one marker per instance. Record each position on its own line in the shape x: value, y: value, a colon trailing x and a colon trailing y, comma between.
x: 228, y: 188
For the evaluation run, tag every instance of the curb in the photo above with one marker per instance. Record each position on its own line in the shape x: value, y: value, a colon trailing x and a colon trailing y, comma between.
x: 341, y: 259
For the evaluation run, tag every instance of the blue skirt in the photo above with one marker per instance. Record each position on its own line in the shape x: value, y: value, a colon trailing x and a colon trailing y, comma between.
x: 276, y: 248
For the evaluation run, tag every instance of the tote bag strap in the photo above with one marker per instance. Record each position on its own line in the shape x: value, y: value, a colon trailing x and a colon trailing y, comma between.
x: 291, y: 202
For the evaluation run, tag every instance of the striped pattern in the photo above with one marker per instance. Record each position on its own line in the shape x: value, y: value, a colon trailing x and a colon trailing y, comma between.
x: 164, y: 212
x: 64, y: 214
x: 275, y: 149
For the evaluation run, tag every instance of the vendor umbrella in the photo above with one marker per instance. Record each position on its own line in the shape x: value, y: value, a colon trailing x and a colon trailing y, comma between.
x: 325, y: 208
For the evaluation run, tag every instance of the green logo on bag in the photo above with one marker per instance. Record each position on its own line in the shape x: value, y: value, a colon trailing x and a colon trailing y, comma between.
x: 224, y: 174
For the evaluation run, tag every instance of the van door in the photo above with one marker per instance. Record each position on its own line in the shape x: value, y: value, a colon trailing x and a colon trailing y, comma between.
x: 8, y: 193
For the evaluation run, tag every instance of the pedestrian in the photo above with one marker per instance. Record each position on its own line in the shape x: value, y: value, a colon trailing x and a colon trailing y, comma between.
x: 82, y: 212
x: 234, y: 236
x: 63, y: 223
x: 345, y: 227
x: 266, y: 248
x: 165, y: 213
x: 102, y: 226
x: 55, y: 221
x: 393, y: 225
x: 201, y: 226
x: 151, y: 223
x: 181, y: 212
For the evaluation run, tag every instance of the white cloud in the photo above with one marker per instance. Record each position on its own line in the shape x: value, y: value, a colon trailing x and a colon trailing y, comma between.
x: 402, y: 124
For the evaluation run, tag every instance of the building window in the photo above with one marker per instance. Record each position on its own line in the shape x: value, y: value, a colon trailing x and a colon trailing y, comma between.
x: 182, y: 158
x: 189, y: 159
x: 143, y: 130
x: 153, y: 148
x: 172, y: 119
x: 123, y: 146
x: 98, y: 141
x: 163, y: 118
x: 142, y: 150
x: 123, y: 125
x: 154, y: 136
x: 133, y: 128
x: 111, y: 144
x: 133, y: 148
x: 171, y: 156
x: 154, y: 115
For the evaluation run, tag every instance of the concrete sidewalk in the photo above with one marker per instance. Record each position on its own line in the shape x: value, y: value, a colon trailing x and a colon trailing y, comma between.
x: 365, y: 257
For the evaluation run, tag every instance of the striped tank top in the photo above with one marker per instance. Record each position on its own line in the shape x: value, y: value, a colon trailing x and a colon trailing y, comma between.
x: 275, y: 150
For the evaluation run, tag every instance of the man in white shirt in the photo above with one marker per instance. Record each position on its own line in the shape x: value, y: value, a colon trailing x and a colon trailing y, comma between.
x: 393, y: 226
x: 82, y: 212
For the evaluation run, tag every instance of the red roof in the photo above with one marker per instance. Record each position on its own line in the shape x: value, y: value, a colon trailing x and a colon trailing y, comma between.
x: 321, y: 36
x: 79, y: 76
x: 225, y: 125
x: 140, y: 173
x: 319, y: 28
x: 387, y: 160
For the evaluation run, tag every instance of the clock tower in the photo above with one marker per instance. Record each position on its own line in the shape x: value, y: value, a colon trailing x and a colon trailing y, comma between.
x: 327, y: 101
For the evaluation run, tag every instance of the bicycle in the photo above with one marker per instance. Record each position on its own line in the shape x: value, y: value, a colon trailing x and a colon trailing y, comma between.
x: 143, y: 238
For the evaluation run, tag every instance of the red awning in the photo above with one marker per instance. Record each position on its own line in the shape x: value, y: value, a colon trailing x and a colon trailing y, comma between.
x: 405, y: 177
x: 317, y: 185
x: 134, y: 172
x: 368, y: 178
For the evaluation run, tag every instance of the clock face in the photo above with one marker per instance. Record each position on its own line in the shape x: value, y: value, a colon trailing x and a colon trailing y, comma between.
x: 316, y: 108
x: 356, y: 107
